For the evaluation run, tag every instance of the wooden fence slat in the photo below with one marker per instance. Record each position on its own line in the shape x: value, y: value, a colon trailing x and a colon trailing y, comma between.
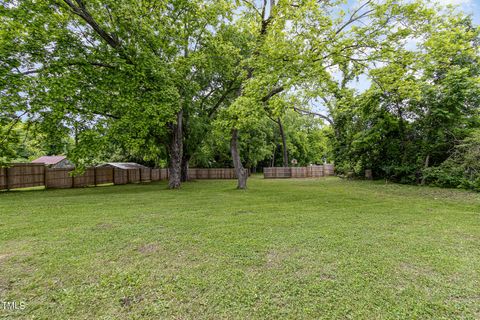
x: 3, y: 179
x: 155, y: 174
x: 84, y: 180
x: 104, y: 175
x: 120, y: 176
x: 58, y: 178
x: 23, y: 175
x: 145, y: 174
x: 299, y: 172
x: 328, y: 169
x: 211, y: 173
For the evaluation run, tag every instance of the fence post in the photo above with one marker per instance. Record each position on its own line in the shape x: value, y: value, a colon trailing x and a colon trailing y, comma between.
x: 45, y: 177
x: 95, y: 176
x: 7, y: 180
x: 140, y: 174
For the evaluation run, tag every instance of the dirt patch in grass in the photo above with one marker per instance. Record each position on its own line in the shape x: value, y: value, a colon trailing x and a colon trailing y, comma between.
x: 149, y: 248
x: 4, y: 257
x: 243, y: 212
x: 416, y: 270
x: 276, y: 258
x: 4, y: 283
x: 127, y: 302
x: 104, y: 226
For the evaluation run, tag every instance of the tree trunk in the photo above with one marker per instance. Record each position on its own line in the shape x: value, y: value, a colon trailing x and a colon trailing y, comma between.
x: 284, y: 143
x: 273, y: 156
x: 427, y: 163
x: 185, y: 160
x: 176, y: 153
x: 242, y: 173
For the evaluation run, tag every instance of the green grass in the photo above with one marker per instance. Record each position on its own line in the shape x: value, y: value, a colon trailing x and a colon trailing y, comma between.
x: 313, y: 249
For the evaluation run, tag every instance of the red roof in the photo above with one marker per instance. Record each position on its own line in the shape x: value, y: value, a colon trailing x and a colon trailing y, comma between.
x: 48, y: 160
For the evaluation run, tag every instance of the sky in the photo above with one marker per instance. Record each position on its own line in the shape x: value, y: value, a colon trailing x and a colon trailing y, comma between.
x: 471, y: 7
x: 468, y: 6
x: 362, y: 83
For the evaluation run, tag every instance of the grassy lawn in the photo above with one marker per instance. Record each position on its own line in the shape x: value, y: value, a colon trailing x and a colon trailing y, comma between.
x: 313, y: 249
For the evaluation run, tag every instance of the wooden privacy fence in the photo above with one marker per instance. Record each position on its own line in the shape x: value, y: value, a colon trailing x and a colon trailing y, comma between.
x: 299, y: 172
x: 221, y: 173
x: 26, y: 175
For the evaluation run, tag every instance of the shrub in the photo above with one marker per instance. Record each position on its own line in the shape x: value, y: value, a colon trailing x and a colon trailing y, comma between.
x: 462, y: 169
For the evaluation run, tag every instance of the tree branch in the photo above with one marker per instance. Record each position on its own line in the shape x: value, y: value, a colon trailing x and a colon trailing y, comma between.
x: 311, y: 113
x: 272, y: 93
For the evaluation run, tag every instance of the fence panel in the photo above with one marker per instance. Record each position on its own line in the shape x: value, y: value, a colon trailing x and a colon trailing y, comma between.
x: 31, y: 175
x: 192, y: 173
x: 120, y: 176
x: 212, y: 173
x: 103, y: 175
x: 328, y: 169
x: 155, y: 174
x: 299, y: 172
x: 145, y: 174
x: 268, y: 173
x: 3, y: 178
x: 316, y: 171
x: 84, y: 180
x: 58, y: 178
x: 25, y: 175
x: 227, y: 173
x: 202, y: 173
x: 133, y: 175
x: 216, y: 174
x: 282, y: 172
x: 163, y: 174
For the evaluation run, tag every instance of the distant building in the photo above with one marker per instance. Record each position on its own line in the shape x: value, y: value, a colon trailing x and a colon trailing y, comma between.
x: 54, y: 161
x: 122, y: 165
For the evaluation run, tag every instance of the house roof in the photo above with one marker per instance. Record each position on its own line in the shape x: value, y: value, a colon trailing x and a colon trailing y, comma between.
x: 49, y: 160
x: 123, y: 165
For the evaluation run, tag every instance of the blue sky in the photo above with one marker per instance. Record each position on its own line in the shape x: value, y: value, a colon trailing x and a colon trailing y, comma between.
x: 468, y: 6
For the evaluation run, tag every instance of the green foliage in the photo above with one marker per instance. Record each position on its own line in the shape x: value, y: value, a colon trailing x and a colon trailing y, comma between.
x: 21, y: 143
x: 462, y: 168
x: 115, y: 70
x: 418, y: 109
x: 104, y: 79
x: 307, y: 140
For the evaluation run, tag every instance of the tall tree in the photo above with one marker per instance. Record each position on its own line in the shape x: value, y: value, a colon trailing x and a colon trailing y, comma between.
x: 300, y: 43
x: 125, y: 70
x: 422, y: 103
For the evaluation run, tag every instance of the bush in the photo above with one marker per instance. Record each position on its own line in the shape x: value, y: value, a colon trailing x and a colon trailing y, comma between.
x: 462, y: 169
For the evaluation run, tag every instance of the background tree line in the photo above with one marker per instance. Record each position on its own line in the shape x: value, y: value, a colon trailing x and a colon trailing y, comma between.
x: 210, y: 83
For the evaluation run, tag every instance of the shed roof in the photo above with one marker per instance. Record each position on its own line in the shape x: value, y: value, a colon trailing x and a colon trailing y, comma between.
x: 123, y: 165
x: 49, y: 160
